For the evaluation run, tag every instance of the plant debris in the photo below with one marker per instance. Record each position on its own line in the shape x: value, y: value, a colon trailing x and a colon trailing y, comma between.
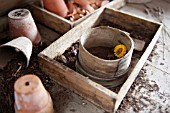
x: 158, y: 13
x: 69, y: 57
x: 17, y: 68
x: 142, y: 89
x: 77, y: 11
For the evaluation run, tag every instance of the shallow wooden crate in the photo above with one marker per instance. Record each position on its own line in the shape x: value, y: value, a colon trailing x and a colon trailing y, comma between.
x: 61, y: 24
x: 107, y: 99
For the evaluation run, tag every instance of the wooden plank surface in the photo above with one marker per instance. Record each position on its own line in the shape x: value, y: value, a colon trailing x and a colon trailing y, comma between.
x: 49, y: 19
x: 78, y: 83
x: 58, y: 47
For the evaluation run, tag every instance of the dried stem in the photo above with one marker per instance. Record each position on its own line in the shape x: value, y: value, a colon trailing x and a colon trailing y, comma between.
x: 17, y: 70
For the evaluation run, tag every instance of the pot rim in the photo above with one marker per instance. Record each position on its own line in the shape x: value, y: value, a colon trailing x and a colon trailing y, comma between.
x: 100, y: 59
x: 26, y: 50
x: 10, y: 16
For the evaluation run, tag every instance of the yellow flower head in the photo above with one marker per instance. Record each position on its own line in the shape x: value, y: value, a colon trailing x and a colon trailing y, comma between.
x: 120, y: 50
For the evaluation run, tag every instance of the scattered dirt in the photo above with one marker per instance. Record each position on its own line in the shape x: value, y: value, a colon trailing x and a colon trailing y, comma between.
x: 17, y: 68
x: 103, y: 52
x: 143, y: 87
x: 70, y: 56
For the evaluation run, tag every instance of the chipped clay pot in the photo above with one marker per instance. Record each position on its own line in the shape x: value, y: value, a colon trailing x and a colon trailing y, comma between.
x: 31, y: 96
x: 21, y: 23
x: 56, y: 6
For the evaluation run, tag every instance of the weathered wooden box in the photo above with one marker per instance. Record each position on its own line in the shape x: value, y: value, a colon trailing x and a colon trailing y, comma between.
x: 60, y: 24
x: 107, y: 99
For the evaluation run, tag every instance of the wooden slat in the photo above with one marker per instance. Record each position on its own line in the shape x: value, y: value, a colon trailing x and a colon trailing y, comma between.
x: 126, y: 86
x: 72, y: 80
x: 51, y: 20
x: 132, y: 23
x: 58, y: 47
x: 48, y: 35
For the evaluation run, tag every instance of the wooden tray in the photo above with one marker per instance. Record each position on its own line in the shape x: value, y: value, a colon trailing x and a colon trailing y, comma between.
x: 60, y: 24
x: 107, y: 99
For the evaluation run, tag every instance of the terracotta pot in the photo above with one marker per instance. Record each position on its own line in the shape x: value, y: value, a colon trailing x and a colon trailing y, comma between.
x: 71, y: 8
x: 84, y: 2
x: 31, y: 96
x: 21, y: 23
x: 56, y: 6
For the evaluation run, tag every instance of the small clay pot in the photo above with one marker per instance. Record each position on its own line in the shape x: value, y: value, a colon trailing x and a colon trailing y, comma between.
x: 31, y: 96
x: 56, y: 6
x: 21, y: 23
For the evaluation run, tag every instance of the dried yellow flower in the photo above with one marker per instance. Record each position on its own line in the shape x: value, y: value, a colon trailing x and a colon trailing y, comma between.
x: 120, y: 51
